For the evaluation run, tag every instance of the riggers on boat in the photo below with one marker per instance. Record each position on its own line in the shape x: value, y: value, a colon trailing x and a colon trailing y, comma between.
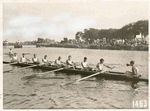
x: 108, y: 75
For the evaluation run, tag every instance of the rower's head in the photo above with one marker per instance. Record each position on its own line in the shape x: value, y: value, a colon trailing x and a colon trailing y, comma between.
x: 59, y: 58
x: 85, y: 59
x: 34, y: 55
x: 23, y: 54
x: 132, y: 63
x: 45, y: 56
x: 101, y: 60
x: 69, y: 57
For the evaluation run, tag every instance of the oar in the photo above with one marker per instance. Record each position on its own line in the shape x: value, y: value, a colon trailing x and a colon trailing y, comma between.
x: 28, y: 66
x: 12, y: 63
x: 90, y: 76
x: 84, y: 78
x: 7, y: 71
x: 40, y: 74
x: 51, y: 71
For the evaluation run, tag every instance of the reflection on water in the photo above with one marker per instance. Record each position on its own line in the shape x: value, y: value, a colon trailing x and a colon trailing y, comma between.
x: 48, y: 92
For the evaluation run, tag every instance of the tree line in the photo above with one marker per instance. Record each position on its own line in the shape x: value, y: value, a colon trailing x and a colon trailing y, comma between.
x: 126, y: 32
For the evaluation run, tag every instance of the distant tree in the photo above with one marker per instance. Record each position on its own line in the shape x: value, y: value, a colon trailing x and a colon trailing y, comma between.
x: 65, y: 40
x: 40, y: 40
x: 78, y: 36
x: 128, y: 31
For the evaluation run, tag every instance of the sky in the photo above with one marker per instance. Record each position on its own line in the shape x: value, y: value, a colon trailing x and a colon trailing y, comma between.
x: 28, y: 21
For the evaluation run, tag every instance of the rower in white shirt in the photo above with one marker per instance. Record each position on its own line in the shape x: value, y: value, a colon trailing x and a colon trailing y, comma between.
x: 35, y: 59
x: 69, y: 62
x: 101, y: 64
x: 11, y: 52
x: 58, y: 62
x: 85, y: 65
x: 14, y: 58
x: 45, y: 61
x: 24, y: 59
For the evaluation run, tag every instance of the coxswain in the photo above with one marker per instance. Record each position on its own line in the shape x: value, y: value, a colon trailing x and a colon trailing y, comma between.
x: 35, y: 59
x: 85, y: 65
x: 69, y: 62
x: 24, y: 59
x: 45, y: 61
x: 59, y: 63
x: 14, y: 58
x: 134, y: 71
x: 101, y: 64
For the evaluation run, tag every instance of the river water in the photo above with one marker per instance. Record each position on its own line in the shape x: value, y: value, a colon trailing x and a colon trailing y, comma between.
x: 95, y: 93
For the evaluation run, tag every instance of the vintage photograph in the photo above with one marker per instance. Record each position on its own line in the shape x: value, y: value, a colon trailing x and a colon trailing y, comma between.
x: 77, y: 54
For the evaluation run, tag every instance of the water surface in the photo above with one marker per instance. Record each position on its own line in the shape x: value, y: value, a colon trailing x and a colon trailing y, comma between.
x: 92, y: 93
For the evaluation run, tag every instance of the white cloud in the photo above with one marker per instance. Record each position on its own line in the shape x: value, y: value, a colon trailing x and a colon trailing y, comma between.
x: 60, y: 25
x: 61, y: 17
x: 24, y: 20
x: 54, y: 29
x: 80, y: 23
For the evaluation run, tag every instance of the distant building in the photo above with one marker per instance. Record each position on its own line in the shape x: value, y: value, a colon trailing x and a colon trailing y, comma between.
x: 141, y: 38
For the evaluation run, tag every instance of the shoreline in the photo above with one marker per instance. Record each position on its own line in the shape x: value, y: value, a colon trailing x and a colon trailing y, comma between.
x: 126, y: 48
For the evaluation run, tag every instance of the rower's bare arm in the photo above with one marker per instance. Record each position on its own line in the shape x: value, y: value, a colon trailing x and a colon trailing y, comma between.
x: 32, y: 60
x: 43, y: 61
x: 107, y: 66
x: 82, y: 65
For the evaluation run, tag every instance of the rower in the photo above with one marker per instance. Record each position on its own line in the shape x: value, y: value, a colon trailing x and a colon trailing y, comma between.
x: 11, y: 52
x: 134, y: 69
x: 58, y: 62
x: 101, y: 64
x: 85, y: 65
x: 24, y: 59
x: 14, y: 58
x: 69, y: 62
x: 45, y: 61
x: 35, y: 59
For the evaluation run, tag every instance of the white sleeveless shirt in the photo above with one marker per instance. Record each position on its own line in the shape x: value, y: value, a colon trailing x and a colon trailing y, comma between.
x: 23, y: 59
x: 85, y: 64
x: 69, y: 62
x: 15, y: 57
x: 45, y: 60
x: 35, y: 59
x: 58, y: 62
x: 100, y: 66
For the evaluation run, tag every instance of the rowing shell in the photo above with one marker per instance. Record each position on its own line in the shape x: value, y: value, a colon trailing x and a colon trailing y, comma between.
x: 108, y: 75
